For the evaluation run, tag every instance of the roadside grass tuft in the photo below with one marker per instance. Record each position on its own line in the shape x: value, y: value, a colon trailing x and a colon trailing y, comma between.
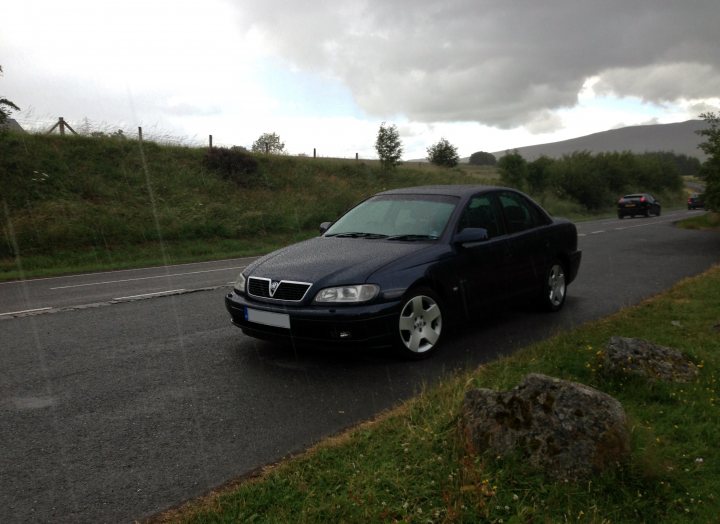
x: 411, y: 465
x: 709, y: 220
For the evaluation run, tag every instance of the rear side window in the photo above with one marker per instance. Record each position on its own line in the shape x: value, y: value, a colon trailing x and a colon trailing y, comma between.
x: 520, y: 213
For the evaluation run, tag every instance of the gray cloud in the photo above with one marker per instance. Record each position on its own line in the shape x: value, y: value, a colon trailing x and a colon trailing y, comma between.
x: 497, y: 62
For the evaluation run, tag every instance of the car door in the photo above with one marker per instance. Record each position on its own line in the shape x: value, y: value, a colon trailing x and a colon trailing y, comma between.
x: 527, y: 243
x: 481, y: 267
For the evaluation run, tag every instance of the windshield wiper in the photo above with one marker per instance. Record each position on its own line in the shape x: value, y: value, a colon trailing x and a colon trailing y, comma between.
x: 413, y: 237
x: 357, y: 235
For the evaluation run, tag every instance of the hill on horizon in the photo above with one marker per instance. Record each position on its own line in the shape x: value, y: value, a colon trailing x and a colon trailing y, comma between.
x: 680, y: 138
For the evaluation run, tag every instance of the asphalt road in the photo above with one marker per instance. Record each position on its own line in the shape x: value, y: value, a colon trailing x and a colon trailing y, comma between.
x: 124, y: 393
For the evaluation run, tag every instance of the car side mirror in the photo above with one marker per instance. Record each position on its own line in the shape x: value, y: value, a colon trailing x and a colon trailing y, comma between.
x: 471, y: 235
x: 324, y: 227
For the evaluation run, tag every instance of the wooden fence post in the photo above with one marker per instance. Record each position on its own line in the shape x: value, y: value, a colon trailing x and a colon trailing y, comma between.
x: 62, y: 125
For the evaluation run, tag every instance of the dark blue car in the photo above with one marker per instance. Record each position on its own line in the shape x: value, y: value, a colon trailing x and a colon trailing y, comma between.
x: 400, y: 266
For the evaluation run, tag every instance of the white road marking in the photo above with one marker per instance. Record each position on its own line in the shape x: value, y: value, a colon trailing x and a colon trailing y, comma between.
x: 170, y: 292
x: 25, y: 311
x: 114, y: 271
x: 147, y: 278
x: 667, y: 219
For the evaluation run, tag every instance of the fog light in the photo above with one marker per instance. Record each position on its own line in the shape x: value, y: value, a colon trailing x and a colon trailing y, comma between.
x: 345, y: 334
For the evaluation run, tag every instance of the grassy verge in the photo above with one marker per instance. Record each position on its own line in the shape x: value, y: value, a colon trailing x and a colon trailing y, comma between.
x: 709, y: 220
x: 107, y: 258
x: 410, y: 464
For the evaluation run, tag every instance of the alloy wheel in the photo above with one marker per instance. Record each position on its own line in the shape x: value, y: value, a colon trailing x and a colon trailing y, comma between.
x: 556, y: 286
x: 420, y: 324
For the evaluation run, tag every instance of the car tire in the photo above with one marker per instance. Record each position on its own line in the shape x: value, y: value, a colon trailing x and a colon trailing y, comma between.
x: 647, y: 212
x: 657, y: 212
x: 554, y: 288
x: 419, y: 324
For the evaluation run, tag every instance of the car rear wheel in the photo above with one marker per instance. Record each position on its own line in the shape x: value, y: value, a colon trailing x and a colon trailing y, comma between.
x: 420, y: 323
x: 554, y: 288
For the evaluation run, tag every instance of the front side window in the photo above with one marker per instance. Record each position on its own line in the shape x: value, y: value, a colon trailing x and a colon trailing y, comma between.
x: 481, y: 213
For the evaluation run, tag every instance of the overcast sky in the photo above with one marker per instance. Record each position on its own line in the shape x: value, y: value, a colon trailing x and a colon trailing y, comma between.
x: 486, y: 75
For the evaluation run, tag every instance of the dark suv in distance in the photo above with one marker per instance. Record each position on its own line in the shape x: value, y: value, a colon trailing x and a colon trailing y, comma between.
x: 638, y: 204
x: 695, y: 201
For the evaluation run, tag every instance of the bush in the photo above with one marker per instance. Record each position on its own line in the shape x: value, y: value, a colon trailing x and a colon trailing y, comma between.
x: 235, y: 165
x: 443, y: 154
x: 482, y: 158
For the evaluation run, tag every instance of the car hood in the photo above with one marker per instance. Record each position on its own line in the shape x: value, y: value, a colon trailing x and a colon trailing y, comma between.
x: 327, y: 261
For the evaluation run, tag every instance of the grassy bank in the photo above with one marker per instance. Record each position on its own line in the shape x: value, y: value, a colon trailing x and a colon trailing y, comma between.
x: 80, y: 203
x: 410, y: 464
x: 74, y: 203
x: 708, y: 220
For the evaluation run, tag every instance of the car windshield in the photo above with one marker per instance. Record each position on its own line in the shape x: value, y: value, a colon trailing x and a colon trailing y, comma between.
x: 396, y: 217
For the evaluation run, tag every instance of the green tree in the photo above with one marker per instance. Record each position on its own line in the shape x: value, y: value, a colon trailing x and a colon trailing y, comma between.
x: 710, y: 169
x: 268, y: 143
x: 388, y: 146
x: 482, y: 158
x: 580, y: 177
x: 513, y: 169
x: 6, y: 107
x: 443, y: 154
x: 538, y: 174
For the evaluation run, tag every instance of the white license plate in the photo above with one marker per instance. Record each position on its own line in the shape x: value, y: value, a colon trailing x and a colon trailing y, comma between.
x: 267, y: 318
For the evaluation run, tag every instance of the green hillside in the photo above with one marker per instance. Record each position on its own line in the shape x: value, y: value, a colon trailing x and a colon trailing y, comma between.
x: 83, y: 203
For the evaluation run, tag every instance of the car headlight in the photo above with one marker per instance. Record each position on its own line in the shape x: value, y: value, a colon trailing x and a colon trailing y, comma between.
x: 240, y: 283
x: 359, y: 293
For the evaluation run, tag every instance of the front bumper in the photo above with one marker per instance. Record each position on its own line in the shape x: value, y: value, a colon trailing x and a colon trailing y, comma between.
x: 366, y: 325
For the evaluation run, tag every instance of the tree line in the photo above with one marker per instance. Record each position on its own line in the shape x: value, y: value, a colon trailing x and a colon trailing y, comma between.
x: 593, y: 180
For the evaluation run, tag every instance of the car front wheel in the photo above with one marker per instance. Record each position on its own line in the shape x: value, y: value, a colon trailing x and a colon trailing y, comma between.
x: 554, y: 288
x: 420, y: 324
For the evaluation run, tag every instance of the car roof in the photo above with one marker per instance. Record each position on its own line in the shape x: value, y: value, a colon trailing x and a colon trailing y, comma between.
x: 447, y: 190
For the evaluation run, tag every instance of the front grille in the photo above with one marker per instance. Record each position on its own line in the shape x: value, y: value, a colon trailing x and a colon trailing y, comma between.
x: 286, y: 290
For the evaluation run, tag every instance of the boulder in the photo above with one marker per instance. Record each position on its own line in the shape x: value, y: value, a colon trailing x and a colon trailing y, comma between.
x: 635, y: 356
x: 569, y: 430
